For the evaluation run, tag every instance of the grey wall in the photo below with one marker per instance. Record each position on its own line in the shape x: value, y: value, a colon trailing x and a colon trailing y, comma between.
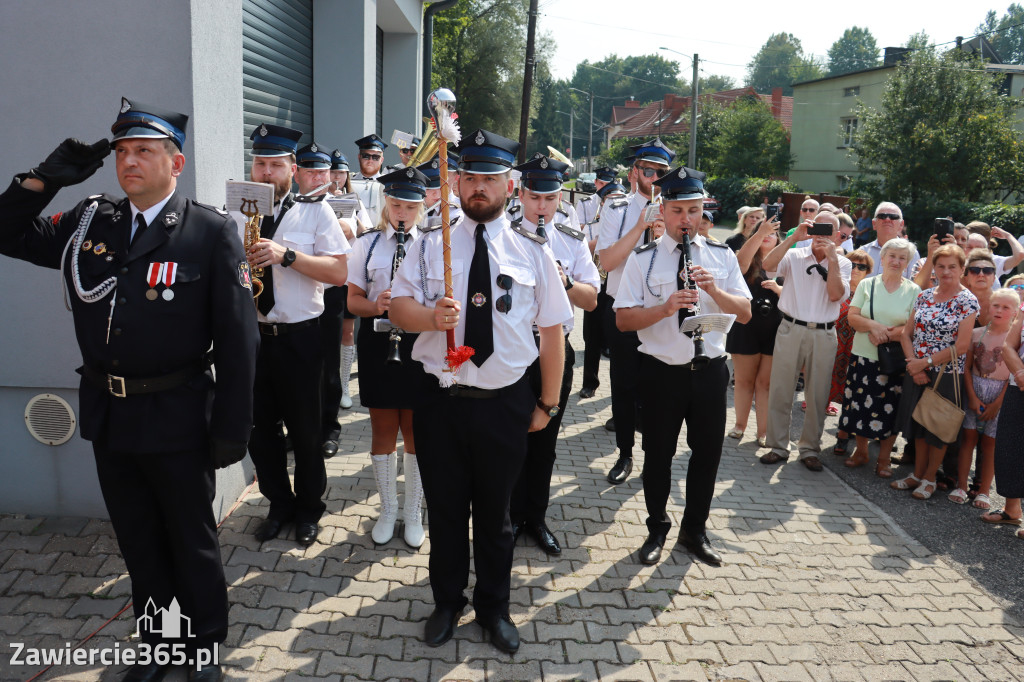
x: 68, y: 64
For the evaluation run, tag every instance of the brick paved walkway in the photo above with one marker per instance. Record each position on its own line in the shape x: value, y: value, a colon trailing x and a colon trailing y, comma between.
x: 817, y: 585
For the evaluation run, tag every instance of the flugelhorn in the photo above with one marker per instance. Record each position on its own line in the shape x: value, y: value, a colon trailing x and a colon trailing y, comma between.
x: 427, y: 148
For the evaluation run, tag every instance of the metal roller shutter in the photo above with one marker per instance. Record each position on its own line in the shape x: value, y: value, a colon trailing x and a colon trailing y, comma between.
x: 277, y: 66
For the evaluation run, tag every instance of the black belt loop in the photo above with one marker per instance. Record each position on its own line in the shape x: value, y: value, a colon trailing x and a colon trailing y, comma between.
x: 281, y: 328
x: 809, y: 325
x: 121, y: 387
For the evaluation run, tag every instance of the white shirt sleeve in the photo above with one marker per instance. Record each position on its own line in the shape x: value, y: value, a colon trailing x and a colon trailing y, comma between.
x: 631, y: 292
x: 330, y: 240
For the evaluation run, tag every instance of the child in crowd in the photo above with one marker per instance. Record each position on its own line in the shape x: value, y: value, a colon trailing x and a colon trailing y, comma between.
x: 985, y: 377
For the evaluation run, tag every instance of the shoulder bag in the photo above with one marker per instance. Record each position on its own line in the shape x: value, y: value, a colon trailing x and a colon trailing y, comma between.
x: 939, y: 415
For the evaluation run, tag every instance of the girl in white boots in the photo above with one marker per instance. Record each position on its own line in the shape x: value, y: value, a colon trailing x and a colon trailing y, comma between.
x: 387, y: 388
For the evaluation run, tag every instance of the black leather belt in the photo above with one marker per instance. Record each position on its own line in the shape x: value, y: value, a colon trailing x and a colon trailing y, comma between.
x: 809, y: 325
x: 281, y: 328
x: 460, y: 391
x: 120, y: 387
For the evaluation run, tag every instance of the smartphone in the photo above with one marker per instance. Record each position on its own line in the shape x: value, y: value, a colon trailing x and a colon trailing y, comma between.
x: 943, y: 227
x: 771, y: 211
x: 820, y: 230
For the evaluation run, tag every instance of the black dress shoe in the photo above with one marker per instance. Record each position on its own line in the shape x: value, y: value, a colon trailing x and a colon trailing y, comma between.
x: 700, y: 547
x: 650, y: 551
x: 620, y: 472
x: 208, y: 673
x: 504, y: 634
x: 544, y: 538
x: 610, y: 424
x: 270, y: 529
x: 151, y: 672
x: 517, y: 530
x: 587, y: 392
x: 329, y: 448
x: 440, y: 626
x: 305, y: 533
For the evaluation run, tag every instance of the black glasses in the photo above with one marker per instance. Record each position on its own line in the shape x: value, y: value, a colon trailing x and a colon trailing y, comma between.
x: 504, y: 302
x: 651, y: 172
x: 371, y: 157
x: 808, y: 209
x: 979, y: 270
x: 887, y: 216
x: 863, y: 267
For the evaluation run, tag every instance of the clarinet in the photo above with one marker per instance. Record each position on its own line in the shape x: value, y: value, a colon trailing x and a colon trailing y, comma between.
x: 700, y: 357
x: 395, y: 335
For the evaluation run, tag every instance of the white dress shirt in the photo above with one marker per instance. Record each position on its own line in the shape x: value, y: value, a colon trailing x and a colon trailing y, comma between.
x: 310, y: 228
x: 645, y: 286
x: 150, y: 214
x: 369, y: 264
x: 618, y: 218
x: 538, y: 297
x: 586, y: 208
x: 805, y: 294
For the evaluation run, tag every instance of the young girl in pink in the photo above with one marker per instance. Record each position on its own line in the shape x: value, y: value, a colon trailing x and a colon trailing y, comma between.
x: 986, y: 378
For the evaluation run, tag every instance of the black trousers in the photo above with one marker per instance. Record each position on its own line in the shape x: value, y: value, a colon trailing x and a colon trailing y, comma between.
x: 330, y: 332
x: 533, y: 488
x: 470, y: 451
x: 160, y: 505
x: 288, y: 375
x: 670, y: 395
x: 623, y: 372
x: 594, y: 338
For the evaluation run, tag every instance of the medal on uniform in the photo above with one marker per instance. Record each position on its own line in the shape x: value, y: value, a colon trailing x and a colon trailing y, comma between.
x: 100, y: 249
x: 478, y: 300
x: 170, y: 273
x: 153, y: 276
x: 87, y: 245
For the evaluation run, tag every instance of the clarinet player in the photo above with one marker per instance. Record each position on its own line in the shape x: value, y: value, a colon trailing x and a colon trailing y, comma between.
x: 662, y: 283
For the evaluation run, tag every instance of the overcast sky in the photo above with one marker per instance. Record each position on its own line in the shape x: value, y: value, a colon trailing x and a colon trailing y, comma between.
x: 728, y: 33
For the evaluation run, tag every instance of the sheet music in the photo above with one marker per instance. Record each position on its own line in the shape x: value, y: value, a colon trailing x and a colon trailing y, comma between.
x: 401, y: 140
x: 344, y: 206
x: 711, y: 322
x: 241, y: 192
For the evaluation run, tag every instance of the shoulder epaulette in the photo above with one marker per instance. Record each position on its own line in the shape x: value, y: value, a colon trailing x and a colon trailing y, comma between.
x: 646, y: 247
x: 587, y: 198
x: 564, y: 205
x: 372, y: 230
x: 302, y: 199
x: 575, y: 234
x: 716, y: 244
x: 109, y: 198
x: 518, y: 228
x: 431, y: 228
x: 216, y: 209
x: 619, y: 203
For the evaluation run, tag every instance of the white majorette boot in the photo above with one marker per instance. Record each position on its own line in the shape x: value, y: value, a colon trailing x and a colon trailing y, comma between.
x: 385, y: 471
x: 412, y: 512
x: 348, y: 354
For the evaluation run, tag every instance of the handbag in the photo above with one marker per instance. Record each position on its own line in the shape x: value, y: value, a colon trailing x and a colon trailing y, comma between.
x: 939, y: 415
x: 891, y: 359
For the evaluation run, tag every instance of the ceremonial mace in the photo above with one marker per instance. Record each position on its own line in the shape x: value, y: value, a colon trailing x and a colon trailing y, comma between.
x: 441, y: 105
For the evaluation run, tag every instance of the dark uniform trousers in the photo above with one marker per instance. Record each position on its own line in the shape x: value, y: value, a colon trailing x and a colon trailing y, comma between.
x: 288, y: 374
x: 670, y: 395
x: 470, y: 451
x: 594, y: 338
x: 533, y: 488
x: 330, y: 331
x: 623, y: 370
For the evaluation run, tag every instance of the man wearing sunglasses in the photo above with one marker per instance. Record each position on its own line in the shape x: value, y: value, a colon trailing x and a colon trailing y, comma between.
x: 364, y: 183
x: 471, y: 436
x: 622, y: 229
x: 888, y: 222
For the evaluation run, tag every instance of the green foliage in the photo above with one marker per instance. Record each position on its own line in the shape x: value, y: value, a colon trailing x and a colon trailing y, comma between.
x: 781, y: 62
x: 943, y: 130
x: 1006, y: 33
x: 733, y: 192
x: 854, y: 51
x: 708, y: 127
x: 920, y: 218
x: 709, y: 84
x: 751, y: 141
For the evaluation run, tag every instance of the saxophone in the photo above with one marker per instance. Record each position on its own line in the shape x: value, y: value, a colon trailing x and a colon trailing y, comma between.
x: 252, y: 235
x: 597, y: 257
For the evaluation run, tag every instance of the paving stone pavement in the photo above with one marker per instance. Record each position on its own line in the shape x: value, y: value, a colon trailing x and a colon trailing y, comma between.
x: 817, y: 585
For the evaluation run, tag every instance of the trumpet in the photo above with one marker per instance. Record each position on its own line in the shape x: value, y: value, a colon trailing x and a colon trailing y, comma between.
x: 700, y: 357
x: 252, y: 235
x: 395, y: 335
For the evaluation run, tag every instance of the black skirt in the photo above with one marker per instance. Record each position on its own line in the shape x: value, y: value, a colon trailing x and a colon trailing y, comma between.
x: 382, y: 384
x: 910, y: 429
x: 1009, y: 457
x: 870, y: 401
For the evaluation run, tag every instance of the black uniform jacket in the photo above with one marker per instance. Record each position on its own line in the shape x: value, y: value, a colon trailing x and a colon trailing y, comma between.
x: 212, y: 304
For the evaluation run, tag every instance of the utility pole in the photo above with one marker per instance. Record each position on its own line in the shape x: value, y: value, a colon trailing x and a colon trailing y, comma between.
x: 590, y: 135
x: 524, y: 116
x: 693, y: 115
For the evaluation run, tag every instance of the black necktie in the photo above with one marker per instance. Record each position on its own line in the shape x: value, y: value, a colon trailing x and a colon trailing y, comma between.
x: 140, y: 221
x: 478, y: 311
x: 268, y: 226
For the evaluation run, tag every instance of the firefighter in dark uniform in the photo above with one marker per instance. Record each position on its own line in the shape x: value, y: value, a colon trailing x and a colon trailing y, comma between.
x: 152, y: 280
x: 661, y: 284
x: 471, y: 436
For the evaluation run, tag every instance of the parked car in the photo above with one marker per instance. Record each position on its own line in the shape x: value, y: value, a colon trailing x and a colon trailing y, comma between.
x: 712, y: 204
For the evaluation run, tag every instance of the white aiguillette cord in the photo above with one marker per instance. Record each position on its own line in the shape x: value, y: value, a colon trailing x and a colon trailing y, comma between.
x: 103, y: 288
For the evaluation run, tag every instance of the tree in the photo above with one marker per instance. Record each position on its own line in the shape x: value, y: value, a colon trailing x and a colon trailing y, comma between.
x: 1006, y: 34
x: 942, y: 131
x: 854, y: 51
x: 781, y: 62
x: 709, y: 84
x: 750, y: 142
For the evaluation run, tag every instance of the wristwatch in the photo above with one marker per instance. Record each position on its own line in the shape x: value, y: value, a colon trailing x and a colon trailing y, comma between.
x: 930, y: 363
x: 288, y: 258
x: 568, y: 282
x: 551, y: 410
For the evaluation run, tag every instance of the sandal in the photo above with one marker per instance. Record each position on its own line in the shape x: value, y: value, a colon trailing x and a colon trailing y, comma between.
x: 997, y: 516
x: 981, y: 501
x: 762, y: 441
x: 958, y: 496
x: 922, y: 492
x: 831, y: 411
x: 857, y: 459
x: 1020, y: 533
x: 883, y: 470
x: 908, y: 483
x: 736, y: 433
x: 841, y: 445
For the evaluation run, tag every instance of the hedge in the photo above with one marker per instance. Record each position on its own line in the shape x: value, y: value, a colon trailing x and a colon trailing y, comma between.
x: 733, y: 192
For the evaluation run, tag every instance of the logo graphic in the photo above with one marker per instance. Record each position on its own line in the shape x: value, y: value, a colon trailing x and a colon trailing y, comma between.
x: 169, y: 623
x: 263, y: 131
x: 125, y: 105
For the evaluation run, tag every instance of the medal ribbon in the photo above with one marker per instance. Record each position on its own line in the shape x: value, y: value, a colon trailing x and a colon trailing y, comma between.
x: 154, y: 274
x: 169, y: 274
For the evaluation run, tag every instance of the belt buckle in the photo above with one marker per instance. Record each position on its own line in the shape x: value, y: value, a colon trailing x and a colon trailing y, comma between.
x: 112, y: 381
x: 814, y: 325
